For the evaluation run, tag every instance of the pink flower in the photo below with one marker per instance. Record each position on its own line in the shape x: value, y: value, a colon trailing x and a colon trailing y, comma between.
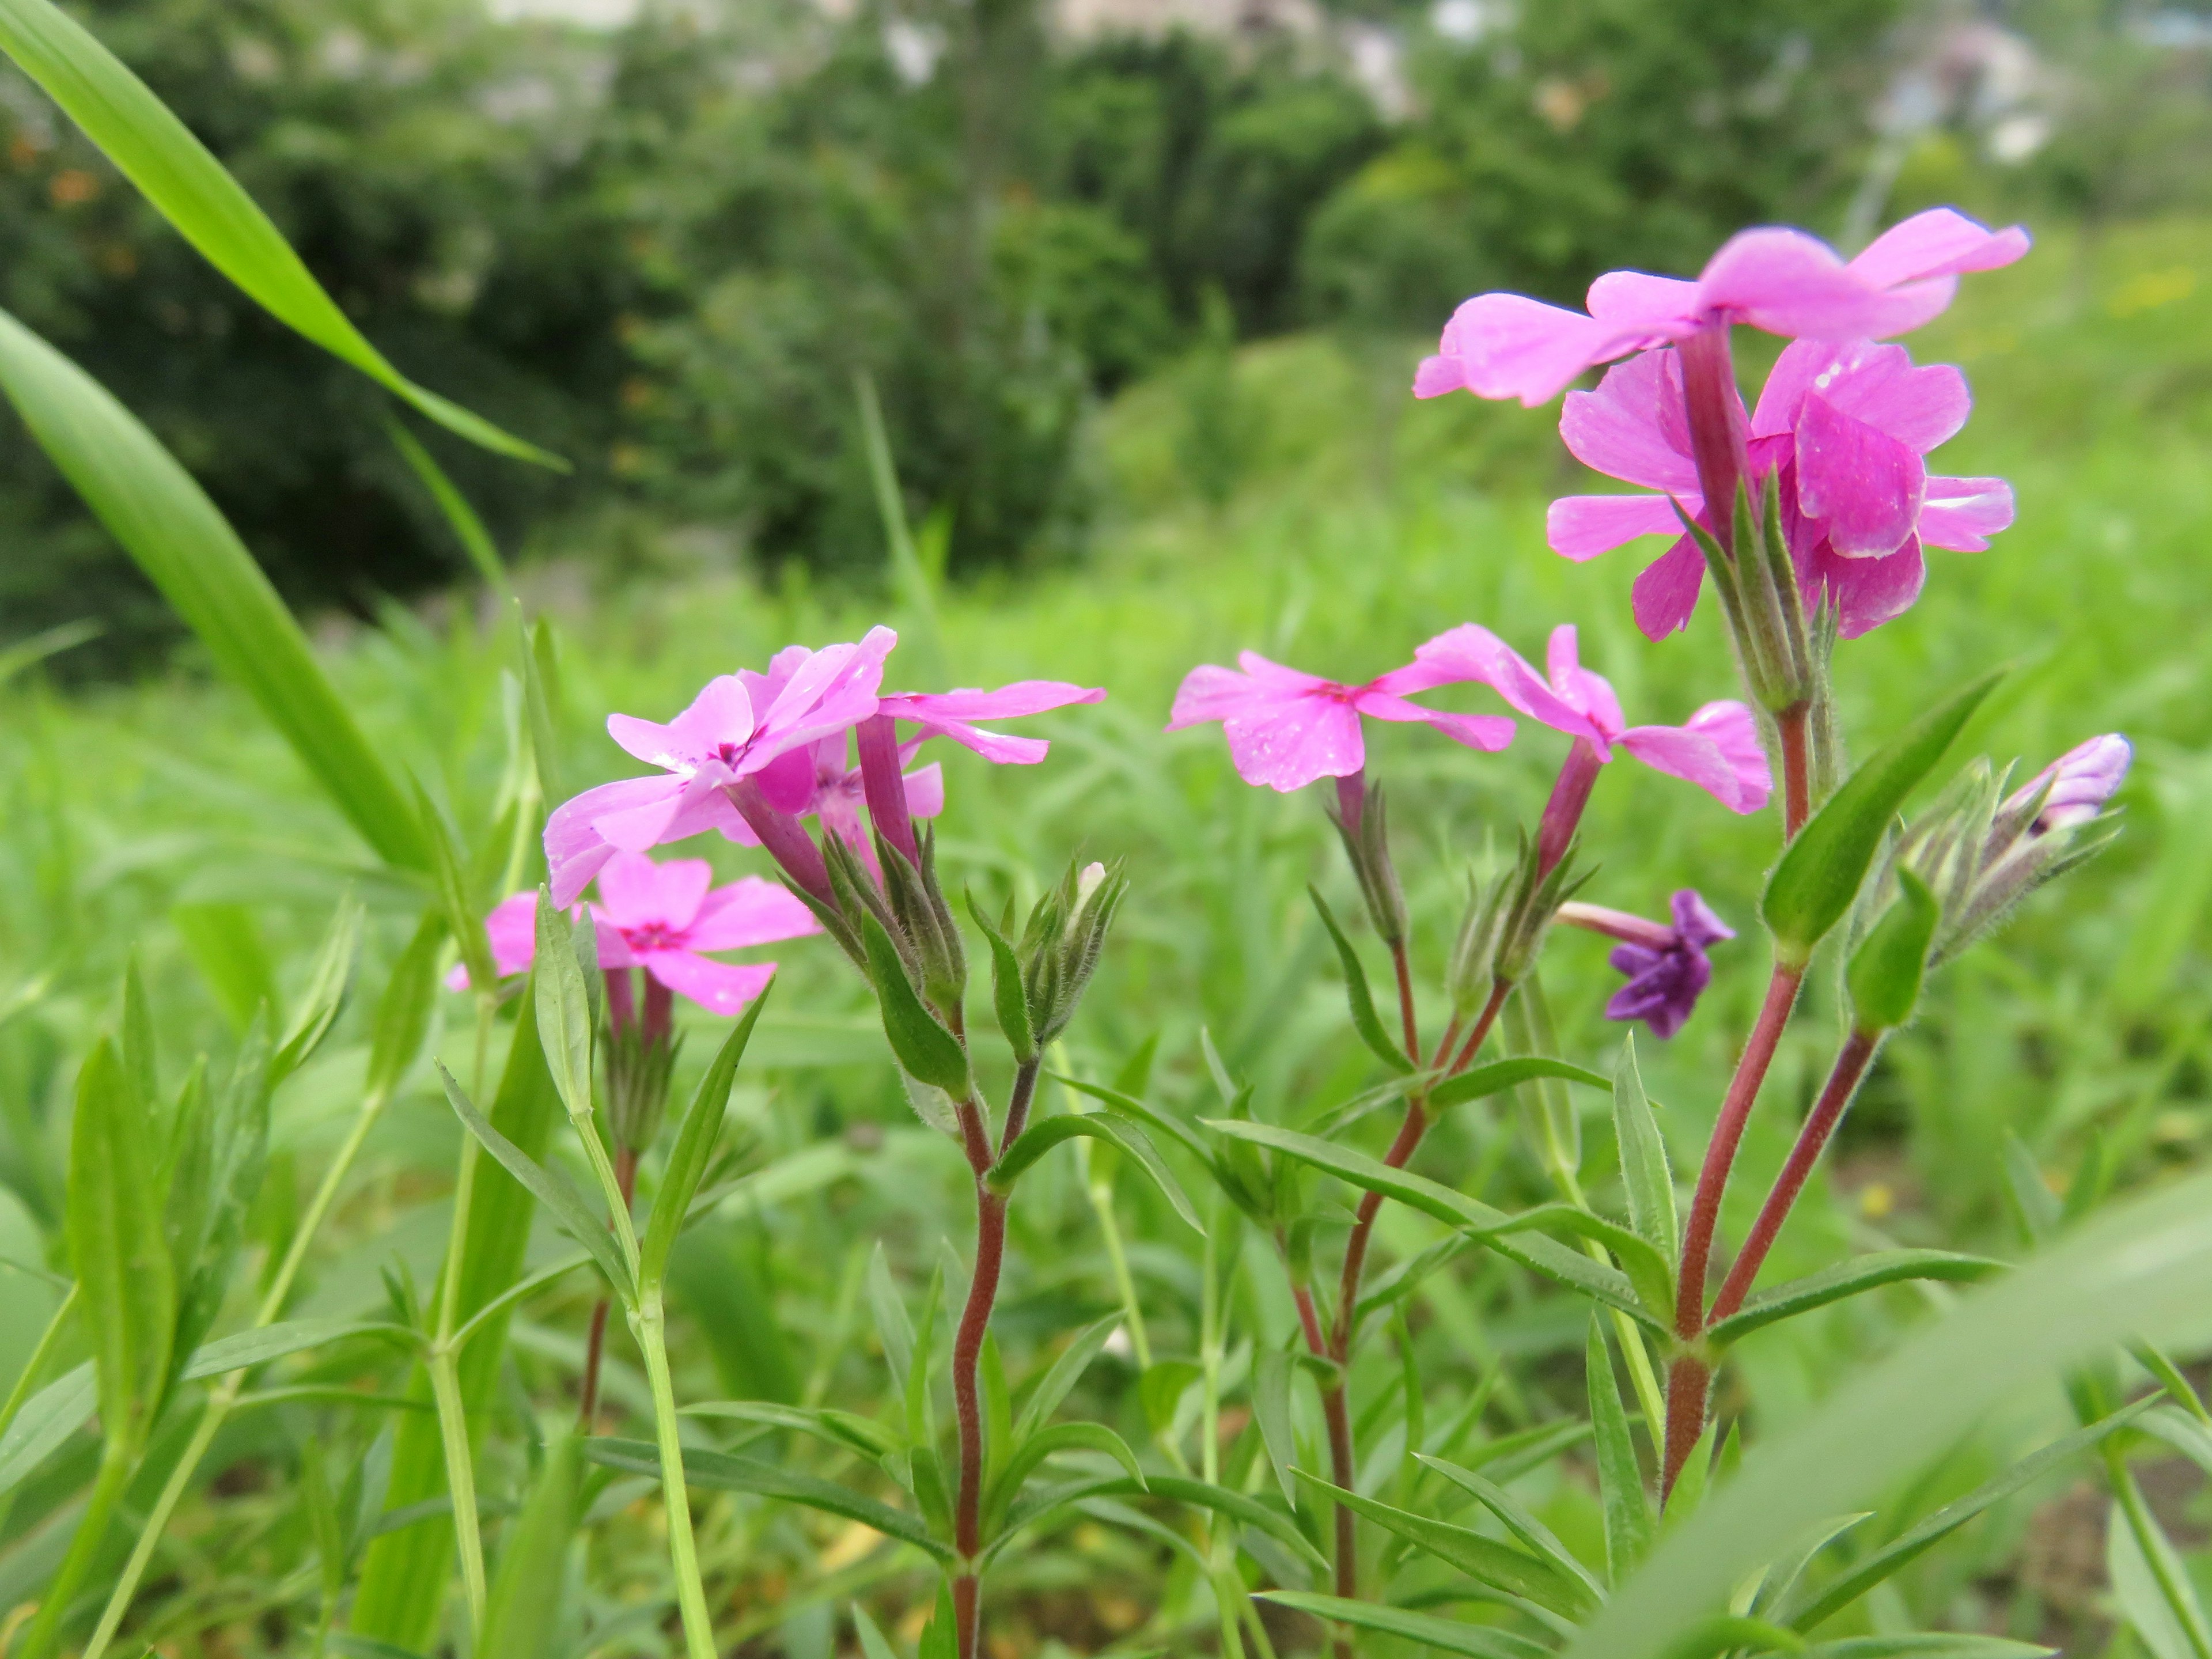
x: 1846, y: 428
x: 2081, y: 781
x: 742, y: 725
x: 1285, y: 728
x: 837, y: 795
x: 1718, y: 749
x: 953, y: 714
x: 1507, y: 345
x: 660, y: 917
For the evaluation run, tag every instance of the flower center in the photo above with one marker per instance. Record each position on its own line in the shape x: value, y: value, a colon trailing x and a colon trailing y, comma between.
x: 652, y: 936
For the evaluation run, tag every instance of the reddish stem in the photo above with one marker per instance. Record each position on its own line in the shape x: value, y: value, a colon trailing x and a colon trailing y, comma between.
x: 1689, y: 1382
x: 1796, y: 771
x: 1718, y: 428
x: 1336, y: 1411
x: 588, y: 1408
x: 1851, y: 1063
x: 1403, y: 964
x: 876, y: 737
x: 1480, y: 1030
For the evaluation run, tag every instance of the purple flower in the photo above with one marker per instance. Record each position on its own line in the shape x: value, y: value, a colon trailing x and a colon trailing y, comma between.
x: 1667, y: 967
x: 742, y: 726
x: 660, y: 917
x: 1844, y: 428
x: 1286, y: 728
x: 1507, y: 345
x: 2081, y: 781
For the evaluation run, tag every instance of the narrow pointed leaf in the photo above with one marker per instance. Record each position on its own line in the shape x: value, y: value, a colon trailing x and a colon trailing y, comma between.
x: 721, y: 1472
x: 1644, y: 1169
x: 1045, y: 1442
x: 695, y: 1146
x: 1620, y: 1477
x: 1270, y: 1406
x: 325, y: 993
x: 267, y: 1342
x: 872, y: 1644
x: 166, y: 522
x: 1885, y: 971
x: 1063, y: 1375
x: 44, y: 1422
x: 893, y: 1328
x: 524, y: 1608
x: 1476, y: 1641
x: 408, y: 1004
x: 1535, y: 1537
x: 550, y: 1187
x: 126, y: 1288
x: 564, y: 1009
x: 925, y: 1050
x: 449, y: 871
x: 1041, y: 1138
x: 1365, y: 1019
x: 1849, y: 1279
x: 1008, y: 998
x: 1495, y: 1077
x: 468, y: 529
x: 861, y: 1434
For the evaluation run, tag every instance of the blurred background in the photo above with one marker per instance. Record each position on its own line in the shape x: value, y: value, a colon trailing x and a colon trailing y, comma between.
x: 665, y: 240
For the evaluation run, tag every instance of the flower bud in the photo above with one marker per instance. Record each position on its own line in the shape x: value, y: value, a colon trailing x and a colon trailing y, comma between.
x: 1363, y: 821
x: 1535, y: 897
x: 1063, y: 942
x: 638, y: 1065
x: 1468, y: 977
x: 936, y: 959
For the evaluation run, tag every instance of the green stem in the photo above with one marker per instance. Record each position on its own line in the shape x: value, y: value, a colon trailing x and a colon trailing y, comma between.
x: 1649, y: 1396
x: 682, y: 1553
x: 444, y: 1366
x: 28, y: 1378
x: 108, y: 1491
x: 225, y: 1394
x: 2180, y: 1600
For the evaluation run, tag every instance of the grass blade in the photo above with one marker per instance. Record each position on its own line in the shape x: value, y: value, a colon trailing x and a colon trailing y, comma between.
x: 1476, y: 1641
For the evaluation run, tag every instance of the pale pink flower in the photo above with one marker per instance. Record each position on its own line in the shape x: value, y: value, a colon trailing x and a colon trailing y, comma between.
x: 1508, y: 345
x: 953, y: 714
x: 1285, y: 729
x: 1845, y: 426
x: 662, y: 917
x: 1718, y: 748
x: 742, y: 726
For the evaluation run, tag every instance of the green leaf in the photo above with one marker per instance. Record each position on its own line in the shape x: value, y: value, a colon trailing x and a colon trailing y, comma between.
x: 925, y: 1049
x: 1039, y: 1138
x: 1045, y: 1442
x: 2149, y: 1580
x: 861, y: 1434
x: 564, y: 1011
x: 1492, y: 1228
x: 166, y: 522
x: 448, y: 869
x: 695, y: 1145
x: 893, y: 1328
x: 1483, y: 1559
x: 325, y: 993
x: 550, y: 1188
x: 46, y: 642
x: 524, y: 1609
x: 1535, y: 1537
x: 1501, y: 1075
x: 872, y: 1644
x: 1652, y: 1274
x: 126, y: 1288
x: 1928, y: 1645
x: 1271, y: 1404
x: 1065, y: 1373
x: 1476, y: 1641
x: 721, y: 1472
x: 1848, y: 1278
x: 1236, y: 1505
x: 1813, y: 886
x: 1008, y: 997
x: 224, y: 941
x: 1885, y: 971
x: 1123, y: 1104
x: 189, y: 188
x: 402, y: 1025
x: 1731, y: 1633
x: 1644, y: 1169
x: 1621, y: 1490
x: 1364, y: 1017
x: 266, y: 1342
x: 2136, y: 1268
x: 44, y: 1421
x: 468, y: 529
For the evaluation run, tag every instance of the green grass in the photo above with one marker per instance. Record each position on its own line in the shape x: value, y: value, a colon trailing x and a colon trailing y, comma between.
x: 164, y: 819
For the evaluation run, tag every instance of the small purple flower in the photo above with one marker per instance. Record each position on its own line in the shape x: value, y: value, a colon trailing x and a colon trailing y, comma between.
x: 1667, y: 967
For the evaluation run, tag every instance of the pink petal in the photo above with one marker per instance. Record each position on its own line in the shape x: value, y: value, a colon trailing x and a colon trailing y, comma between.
x: 1576, y: 685
x: 1792, y: 376
x: 1941, y: 242
x: 1963, y: 513
x: 1644, y: 308
x: 1635, y: 427
x: 1788, y: 283
x: 925, y: 792
x: 1863, y: 485
x: 1437, y: 375
x: 1868, y: 592
x: 1581, y: 527
x: 636, y: 892
x: 1273, y: 676
x: 613, y: 950
x: 1472, y: 652
x: 1666, y: 593
x: 790, y: 779
x: 1719, y: 750
x: 575, y: 848
x: 1287, y: 744
x: 750, y: 910
x: 1919, y: 405
x: 1490, y: 732
x: 997, y: 747
x: 719, y: 988
x: 721, y: 713
x: 1507, y: 345
x: 1007, y: 702
x: 513, y: 928
x: 1210, y: 692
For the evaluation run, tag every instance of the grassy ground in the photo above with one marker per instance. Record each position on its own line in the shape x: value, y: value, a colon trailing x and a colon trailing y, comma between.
x: 1297, y: 502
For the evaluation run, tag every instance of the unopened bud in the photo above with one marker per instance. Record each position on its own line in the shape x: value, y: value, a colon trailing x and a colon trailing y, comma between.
x: 1362, y: 819
x: 1471, y: 972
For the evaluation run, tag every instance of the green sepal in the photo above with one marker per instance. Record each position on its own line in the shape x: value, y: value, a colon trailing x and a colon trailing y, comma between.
x: 924, y: 1048
x: 1886, y: 969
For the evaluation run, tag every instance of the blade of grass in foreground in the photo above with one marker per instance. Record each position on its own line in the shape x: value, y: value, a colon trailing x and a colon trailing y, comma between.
x: 2143, y: 1269
x: 166, y: 522
x: 176, y: 172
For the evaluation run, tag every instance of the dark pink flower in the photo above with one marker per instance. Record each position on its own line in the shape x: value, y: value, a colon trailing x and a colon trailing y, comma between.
x: 1285, y: 729
x: 1507, y: 345
x: 662, y: 917
x: 742, y: 726
x: 953, y: 714
x: 1845, y: 427
x: 1667, y: 967
x: 1717, y: 749
x: 837, y: 794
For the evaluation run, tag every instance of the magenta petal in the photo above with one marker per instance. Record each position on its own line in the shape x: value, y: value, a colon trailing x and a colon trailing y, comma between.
x: 1961, y: 515
x: 1437, y: 375
x: 1739, y: 780
x: 1666, y: 593
x: 789, y: 780
x: 719, y: 988
x: 512, y: 931
x: 925, y: 792
x: 1868, y: 592
x: 1635, y: 427
x: 1919, y: 405
x: 1489, y: 732
x: 1007, y: 702
x: 1784, y: 281
x: 1862, y: 484
x: 750, y: 910
x: 1210, y: 692
x: 1644, y: 309
x: 634, y: 891
x: 721, y: 713
x: 1507, y: 345
x: 1581, y: 527
x: 574, y: 848
x: 1940, y: 242
x: 1472, y: 652
x: 1288, y: 744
